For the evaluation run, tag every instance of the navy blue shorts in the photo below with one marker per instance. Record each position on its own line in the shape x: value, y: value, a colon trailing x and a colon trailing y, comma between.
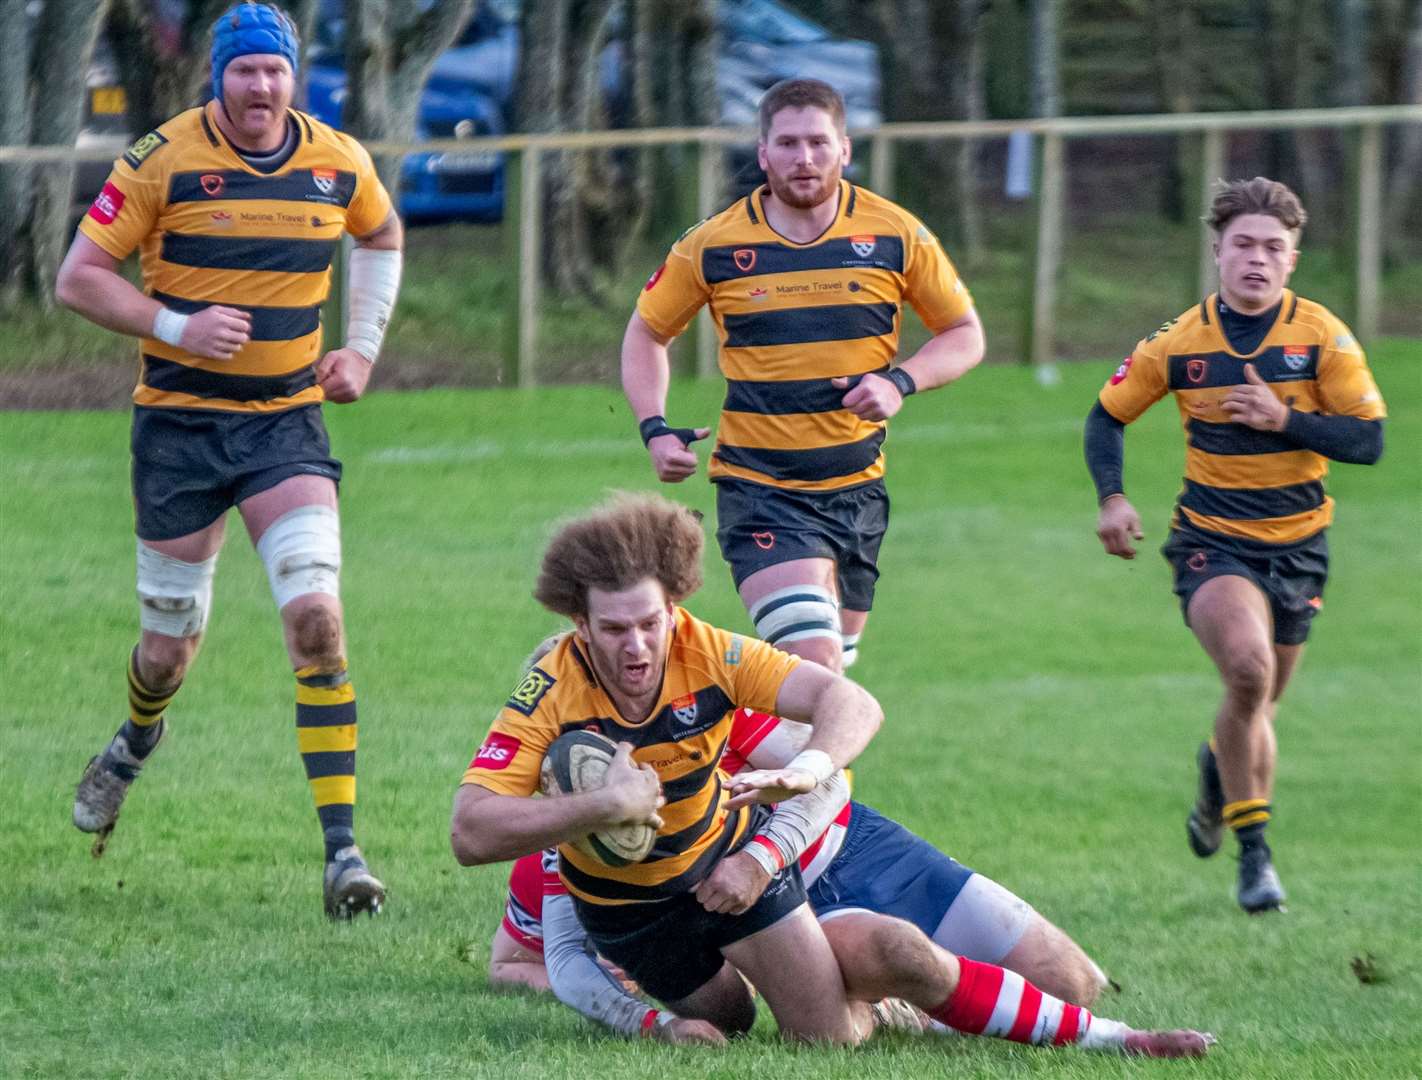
x: 884, y: 868
x: 673, y: 947
x: 759, y: 526
x: 191, y: 465
x: 1291, y: 577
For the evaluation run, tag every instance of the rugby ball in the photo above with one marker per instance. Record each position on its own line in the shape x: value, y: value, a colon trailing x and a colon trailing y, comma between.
x: 578, y: 761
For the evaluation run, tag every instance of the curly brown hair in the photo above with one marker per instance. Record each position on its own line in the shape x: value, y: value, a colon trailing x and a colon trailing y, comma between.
x: 1258, y: 196
x: 800, y: 94
x: 624, y: 542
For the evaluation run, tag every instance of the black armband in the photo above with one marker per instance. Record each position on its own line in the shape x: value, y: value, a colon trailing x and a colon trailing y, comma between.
x: 902, y: 380
x: 656, y: 426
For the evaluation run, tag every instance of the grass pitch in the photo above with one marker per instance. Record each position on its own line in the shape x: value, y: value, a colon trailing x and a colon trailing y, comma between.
x: 1043, y: 703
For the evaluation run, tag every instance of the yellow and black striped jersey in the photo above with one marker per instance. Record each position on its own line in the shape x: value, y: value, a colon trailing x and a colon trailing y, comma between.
x: 211, y: 229
x: 792, y: 316
x: 709, y: 672
x: 1239, y: 482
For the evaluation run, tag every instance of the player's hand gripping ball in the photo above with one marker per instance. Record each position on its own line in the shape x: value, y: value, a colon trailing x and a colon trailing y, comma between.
x: 576, y: 762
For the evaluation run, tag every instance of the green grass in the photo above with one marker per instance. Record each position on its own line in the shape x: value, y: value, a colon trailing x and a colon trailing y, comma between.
x: 1124, y: 272
x: 1043, y: 707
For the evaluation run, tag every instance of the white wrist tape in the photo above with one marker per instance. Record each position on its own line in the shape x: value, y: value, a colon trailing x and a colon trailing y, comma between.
x: 815, y: 762
x: 372, y: 281
x: 168, y: 326
x: 761, y: 854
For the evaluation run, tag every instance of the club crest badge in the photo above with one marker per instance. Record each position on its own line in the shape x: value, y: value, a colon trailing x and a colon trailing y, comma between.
x: 213, y: 184
x: 324, y: 179
x: 1196, y: 369
x: 863, y: 245
x: 1295, y: 357
x: 684, y: 709
x: 744, y: 259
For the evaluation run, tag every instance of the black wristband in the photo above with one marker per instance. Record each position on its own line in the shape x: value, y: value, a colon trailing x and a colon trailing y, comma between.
x: 651, y: 427
x: 902, y: 380
x: 656, y: 426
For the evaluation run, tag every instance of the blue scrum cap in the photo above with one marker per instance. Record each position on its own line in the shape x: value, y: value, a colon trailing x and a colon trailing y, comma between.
x: 250, y: 28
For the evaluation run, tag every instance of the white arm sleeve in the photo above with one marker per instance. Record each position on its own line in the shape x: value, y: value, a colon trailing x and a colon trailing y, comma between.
x: 796, y: 823
x: 578, y: 978
x: 372, y: 280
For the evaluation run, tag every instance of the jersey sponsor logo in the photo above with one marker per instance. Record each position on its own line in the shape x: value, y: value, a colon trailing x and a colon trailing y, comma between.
x: 141, y: 150
x: 107, y: 206
x: 497, y: 752
x: 733, y: 653
x: 1162, y: 328
x: 1346, y: 342
x: 758, y: 294
x: 212, y: 184
x: 863, y: 245
x: 656, y: 277
x: 529, y: 693
x: 684, y: 709
x: 324, y: 179
x: 744, y: 259
x: 1196, y: 369
x: 1122, y: 371
x: 1295, y: 357
x: 764, y: 540
x: 221, y: 217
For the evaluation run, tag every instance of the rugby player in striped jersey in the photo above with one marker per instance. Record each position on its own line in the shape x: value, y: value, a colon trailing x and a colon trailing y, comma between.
x: 1270, y: 388
x: 703, y: 908
x: 805, y: 280
x: 236, y: 209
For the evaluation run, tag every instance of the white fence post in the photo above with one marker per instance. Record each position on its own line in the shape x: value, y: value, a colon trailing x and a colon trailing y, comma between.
x: 708, y: 202
x: 1212, y: 167
x: 1365, y: 317
x: 1049, y: 256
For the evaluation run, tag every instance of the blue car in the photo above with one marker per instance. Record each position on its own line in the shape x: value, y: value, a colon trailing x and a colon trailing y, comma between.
x: 467, y: 94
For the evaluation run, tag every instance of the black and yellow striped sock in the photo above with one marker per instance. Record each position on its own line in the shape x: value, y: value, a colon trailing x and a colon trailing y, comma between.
x: 1247, y: 818
x: 326, y: 737
x: 144, y: 726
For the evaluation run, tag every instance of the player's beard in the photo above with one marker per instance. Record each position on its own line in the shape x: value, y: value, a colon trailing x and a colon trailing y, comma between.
x: 780, y: 187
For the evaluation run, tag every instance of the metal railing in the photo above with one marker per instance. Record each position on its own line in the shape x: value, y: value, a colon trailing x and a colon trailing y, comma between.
x: 523, y: 203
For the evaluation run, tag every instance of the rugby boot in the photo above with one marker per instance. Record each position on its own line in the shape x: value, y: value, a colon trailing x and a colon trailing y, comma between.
x: 349, y: 887
x: 105, y: 782
x: 896, y: 1014
x: 1168, y: 1044
x: 1205, y: 825
x: 1259, y: 888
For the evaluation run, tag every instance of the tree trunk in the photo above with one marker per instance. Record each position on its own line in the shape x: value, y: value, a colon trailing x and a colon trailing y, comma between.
x: 964, y: 58
x: 1402, y: 181
x: 64, y: 40
x: 390, y: 47
x: 1175, y: 33
x: 15, y: 120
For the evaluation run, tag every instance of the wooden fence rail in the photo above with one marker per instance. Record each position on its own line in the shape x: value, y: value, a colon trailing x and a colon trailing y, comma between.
x: 523, y: 201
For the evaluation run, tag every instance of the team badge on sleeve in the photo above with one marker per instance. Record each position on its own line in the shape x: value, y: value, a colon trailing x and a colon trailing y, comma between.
x: 139, y: 152
x: 529, y: 693
x: 656, y: 277
x: 1122, y: 371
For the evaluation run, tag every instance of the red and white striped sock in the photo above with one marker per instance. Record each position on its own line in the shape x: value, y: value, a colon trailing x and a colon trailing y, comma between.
x: 993, y: 1001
